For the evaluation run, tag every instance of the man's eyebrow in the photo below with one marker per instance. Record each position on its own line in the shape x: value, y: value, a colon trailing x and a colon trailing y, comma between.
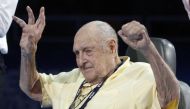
x: 74, y: 50
x: 88, y: 47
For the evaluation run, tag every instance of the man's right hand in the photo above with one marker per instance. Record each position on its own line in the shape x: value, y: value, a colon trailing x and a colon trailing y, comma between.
x: 31, y: 31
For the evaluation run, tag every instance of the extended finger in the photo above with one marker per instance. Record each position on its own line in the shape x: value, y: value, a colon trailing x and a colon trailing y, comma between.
x: 31, y: 18
x: 41, y: 19
x: 19, y: 21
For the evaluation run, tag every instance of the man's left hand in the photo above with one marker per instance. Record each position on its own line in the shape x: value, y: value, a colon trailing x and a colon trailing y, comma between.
x: 135, y: 35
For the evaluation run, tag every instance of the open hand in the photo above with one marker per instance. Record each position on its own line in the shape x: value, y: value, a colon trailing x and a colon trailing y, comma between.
x: 31, y: 31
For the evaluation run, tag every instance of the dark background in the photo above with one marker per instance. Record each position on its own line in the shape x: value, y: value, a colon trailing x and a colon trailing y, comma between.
x: 163, y: 18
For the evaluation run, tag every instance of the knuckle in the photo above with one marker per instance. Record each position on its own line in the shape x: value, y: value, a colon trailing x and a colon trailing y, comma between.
x: 135, y: 22
x: 129, y: 33
x: 123, y: 27
x: 143, y: 27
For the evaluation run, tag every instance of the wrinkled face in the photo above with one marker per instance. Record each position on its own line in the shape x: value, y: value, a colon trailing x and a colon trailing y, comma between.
x: 93, y: 61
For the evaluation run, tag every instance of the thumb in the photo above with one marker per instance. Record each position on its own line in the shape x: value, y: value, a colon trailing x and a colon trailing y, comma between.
x: 123, y: 37
x: 120, y: 33
x: 19, y: 21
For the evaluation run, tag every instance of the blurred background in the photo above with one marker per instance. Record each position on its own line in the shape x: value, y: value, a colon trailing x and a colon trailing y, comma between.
x: 163, y: 18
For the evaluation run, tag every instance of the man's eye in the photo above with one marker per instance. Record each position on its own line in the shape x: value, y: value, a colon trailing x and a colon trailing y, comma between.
x: 89, y: 52
x: 76, y: 54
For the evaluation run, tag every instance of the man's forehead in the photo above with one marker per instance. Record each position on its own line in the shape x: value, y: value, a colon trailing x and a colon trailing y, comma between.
x: 84, y: 45
x: 87, y: 35
x: 87, y: 30
x: 84, y: 41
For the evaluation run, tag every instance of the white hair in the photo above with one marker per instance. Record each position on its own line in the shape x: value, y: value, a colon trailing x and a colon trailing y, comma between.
x: 104, y: 31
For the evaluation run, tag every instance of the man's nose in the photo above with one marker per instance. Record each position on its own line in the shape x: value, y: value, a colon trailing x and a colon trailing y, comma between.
x: 81, y: 60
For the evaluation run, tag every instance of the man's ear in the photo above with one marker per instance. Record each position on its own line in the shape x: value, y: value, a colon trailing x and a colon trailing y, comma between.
x: 112, y: 46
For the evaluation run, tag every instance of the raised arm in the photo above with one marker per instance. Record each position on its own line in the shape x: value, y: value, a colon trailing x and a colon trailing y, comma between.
x: 31, y: 34
x: 135, y: 35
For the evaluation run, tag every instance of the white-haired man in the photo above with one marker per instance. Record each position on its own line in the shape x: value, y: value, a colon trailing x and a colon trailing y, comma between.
x: 103, y: 80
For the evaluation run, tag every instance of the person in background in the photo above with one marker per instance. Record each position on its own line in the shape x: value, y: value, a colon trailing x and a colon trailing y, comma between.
x: 186, y: 4
x: 7, y: 10
x: 103, y: 79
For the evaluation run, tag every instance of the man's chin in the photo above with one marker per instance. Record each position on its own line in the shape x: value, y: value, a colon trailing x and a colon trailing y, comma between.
x: 87, y: 72
x: 89, y: 79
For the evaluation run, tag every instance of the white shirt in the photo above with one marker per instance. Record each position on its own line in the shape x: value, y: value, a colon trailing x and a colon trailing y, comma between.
x: 187, y: 6
x: 7, y: 10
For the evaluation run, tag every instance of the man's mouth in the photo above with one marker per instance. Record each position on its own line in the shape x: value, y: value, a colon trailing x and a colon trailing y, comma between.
x: 87, y: 69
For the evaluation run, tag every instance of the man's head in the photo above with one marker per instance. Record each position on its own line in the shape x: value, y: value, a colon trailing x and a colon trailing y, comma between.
x: 96, y: 50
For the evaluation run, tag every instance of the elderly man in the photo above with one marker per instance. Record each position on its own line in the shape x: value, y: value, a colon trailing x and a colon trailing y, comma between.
x: 103, y: 80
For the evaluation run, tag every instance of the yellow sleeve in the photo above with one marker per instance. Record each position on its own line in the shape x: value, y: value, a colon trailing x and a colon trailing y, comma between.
x: 51, y: 82
x: 173, y: 104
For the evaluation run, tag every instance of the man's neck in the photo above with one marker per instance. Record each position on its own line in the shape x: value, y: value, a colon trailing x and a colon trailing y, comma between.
x: 96, y: 82
x: 118, y: 62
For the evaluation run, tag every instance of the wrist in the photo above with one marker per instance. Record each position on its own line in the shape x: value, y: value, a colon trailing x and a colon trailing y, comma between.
x: 149, y: 51
x: 27, y: 52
